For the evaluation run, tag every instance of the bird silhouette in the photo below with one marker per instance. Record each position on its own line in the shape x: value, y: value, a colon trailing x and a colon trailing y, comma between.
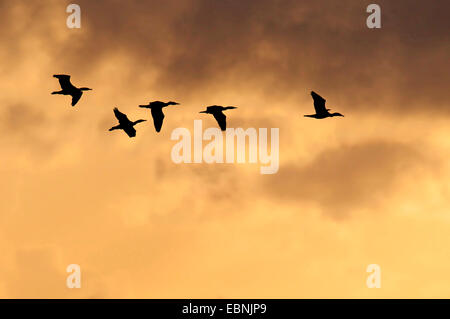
x: 125, y: 124
x: 68, y: 88
x: 319, y: 106
x: 217, y: 112
x: 157, y: 112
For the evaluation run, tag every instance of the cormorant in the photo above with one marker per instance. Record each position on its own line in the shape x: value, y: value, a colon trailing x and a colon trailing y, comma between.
x: 157, y: 113
x: 125, y: 124
x: 69, y: 89
x: 216, y: 111
x: 319, y: 105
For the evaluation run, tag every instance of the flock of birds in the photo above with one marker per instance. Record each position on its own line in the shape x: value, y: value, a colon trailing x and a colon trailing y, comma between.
x: 156, y: 108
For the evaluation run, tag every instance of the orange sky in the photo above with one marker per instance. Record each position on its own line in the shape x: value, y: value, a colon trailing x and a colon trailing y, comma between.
x: 370, y: 188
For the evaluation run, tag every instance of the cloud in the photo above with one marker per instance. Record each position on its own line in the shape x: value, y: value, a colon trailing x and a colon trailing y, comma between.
x: 346, y: 179
x: 142, y: 226
x: 278, y: 48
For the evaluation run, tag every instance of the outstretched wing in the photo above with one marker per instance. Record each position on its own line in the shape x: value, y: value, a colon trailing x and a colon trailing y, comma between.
x: 156, y: 104
x: 76, y: 96
x: 122, y: 118
x: 131, y: 132
x: 158, y: 118
x: 213, y: 108
x: 319, y: 103
x: 221, y: 119
x: 64, y: 81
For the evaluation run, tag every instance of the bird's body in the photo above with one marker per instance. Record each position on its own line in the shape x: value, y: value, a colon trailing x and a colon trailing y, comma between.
x: 217, y: 112
x: 319, y: 105
x: 157, y: 113
x: 67, y: 88
x: 125, y: 124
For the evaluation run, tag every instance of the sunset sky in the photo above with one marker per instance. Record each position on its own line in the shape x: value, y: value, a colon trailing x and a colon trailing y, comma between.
x: 372, y: 187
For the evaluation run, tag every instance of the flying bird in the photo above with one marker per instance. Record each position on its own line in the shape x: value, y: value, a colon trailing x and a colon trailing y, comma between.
x: 68, y: 88
x: 157, y: 112
x: 319, y: 106
x: 125, y: 124
x: 217, y: 112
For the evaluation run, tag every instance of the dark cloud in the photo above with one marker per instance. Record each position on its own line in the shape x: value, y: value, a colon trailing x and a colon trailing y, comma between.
x: 277, y: 48
x: 282, y: 48
x: 347, y: 178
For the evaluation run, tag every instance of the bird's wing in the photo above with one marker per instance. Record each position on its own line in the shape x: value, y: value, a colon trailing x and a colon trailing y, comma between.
x: 157, y: 103
x: 214, y: 108
x: 221, y: 119
x: 64, y: 81
x: 76, y: 96
x: 158, y: 118
x: 123, y: 119
x: 131, y: 132
x: 319, y: 103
